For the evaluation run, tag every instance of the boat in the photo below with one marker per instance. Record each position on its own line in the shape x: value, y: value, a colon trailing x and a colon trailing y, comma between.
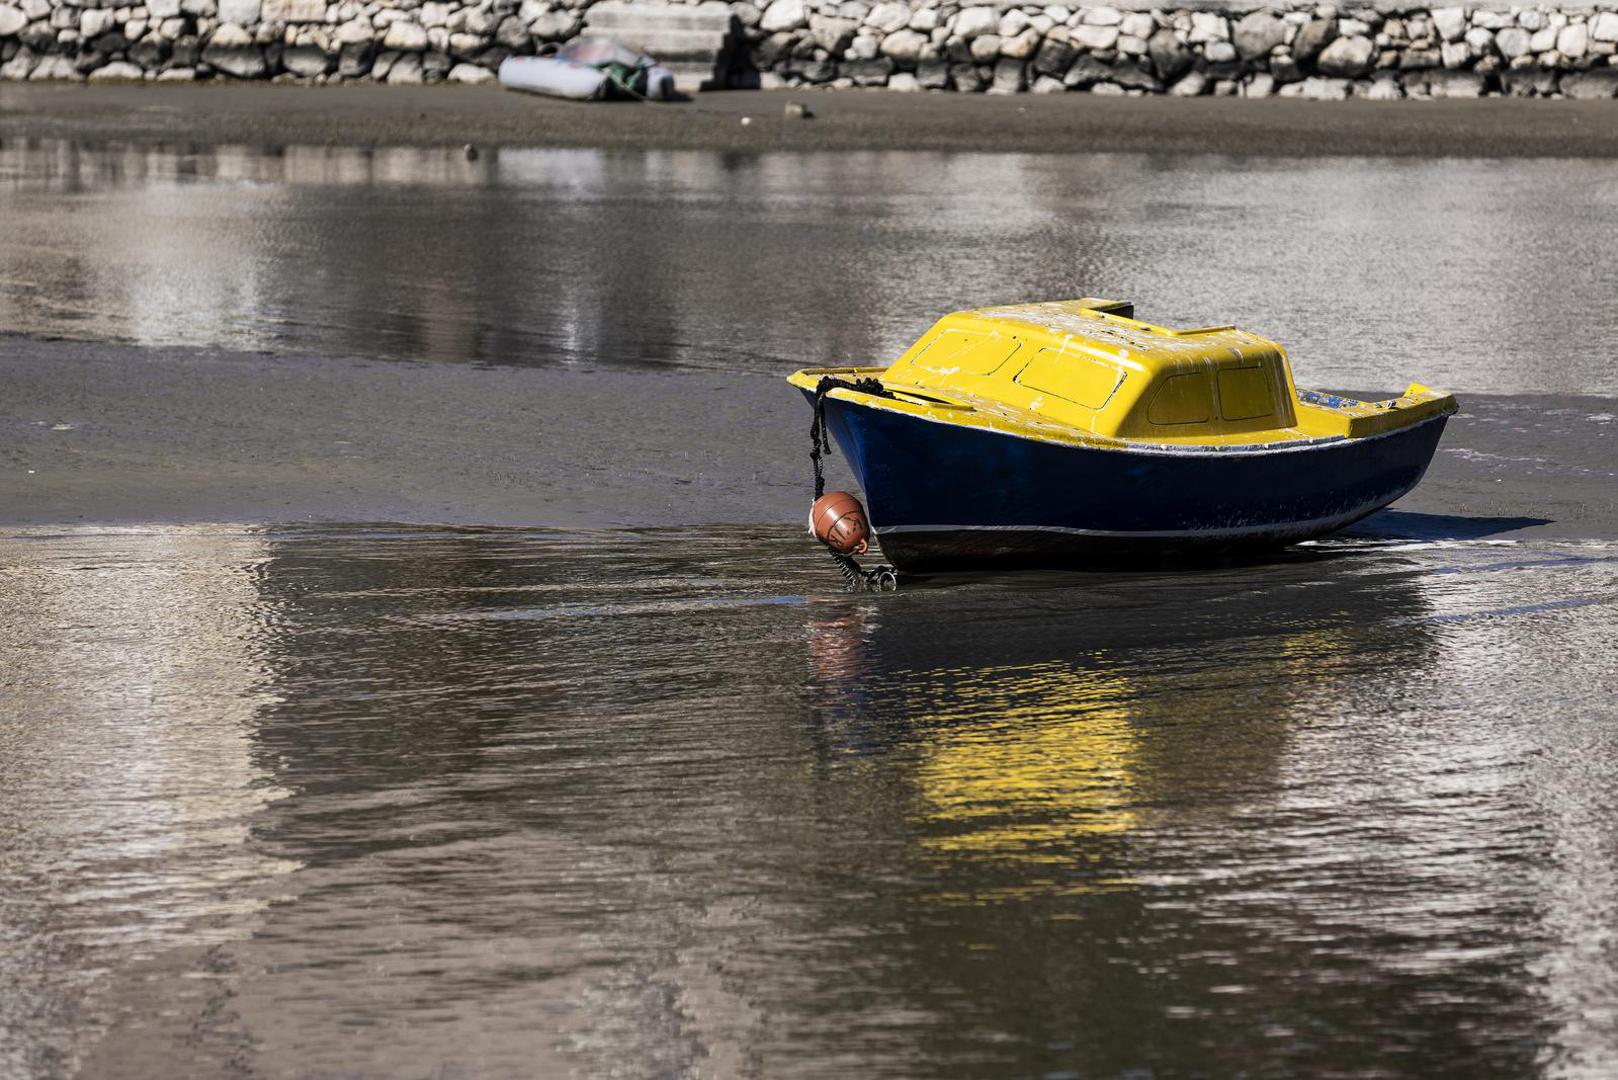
x: 1061, y: 433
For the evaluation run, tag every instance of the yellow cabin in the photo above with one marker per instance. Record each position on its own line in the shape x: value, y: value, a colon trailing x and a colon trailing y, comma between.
x: 1090, y: 365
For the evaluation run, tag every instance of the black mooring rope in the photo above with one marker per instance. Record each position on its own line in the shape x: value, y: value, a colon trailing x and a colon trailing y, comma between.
x: 855, y: 578
x: 819, y: 437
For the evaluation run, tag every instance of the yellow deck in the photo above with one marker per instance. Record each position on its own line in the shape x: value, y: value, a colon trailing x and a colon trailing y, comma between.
x: 1087, y: 371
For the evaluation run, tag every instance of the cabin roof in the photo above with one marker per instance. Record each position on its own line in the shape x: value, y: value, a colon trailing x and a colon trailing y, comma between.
x: 1107, y: 326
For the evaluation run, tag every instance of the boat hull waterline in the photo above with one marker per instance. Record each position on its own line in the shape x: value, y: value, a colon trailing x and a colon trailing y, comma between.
x: 1035, y: 503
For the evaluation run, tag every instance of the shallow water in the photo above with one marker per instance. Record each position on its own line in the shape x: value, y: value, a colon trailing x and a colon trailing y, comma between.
x: 1475, y: 275
x: 376, y: 801
x: 411, y: 802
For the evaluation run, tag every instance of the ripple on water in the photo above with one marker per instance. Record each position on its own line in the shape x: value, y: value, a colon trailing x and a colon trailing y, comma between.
x: 387, y: 800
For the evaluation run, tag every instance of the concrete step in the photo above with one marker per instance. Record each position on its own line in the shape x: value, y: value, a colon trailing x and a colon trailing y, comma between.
x: 695, y: 42
x: 713, y: 18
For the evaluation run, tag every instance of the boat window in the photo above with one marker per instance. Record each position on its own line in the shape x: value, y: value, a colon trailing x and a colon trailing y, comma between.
x: 1245, y: 394
x: 961, y: 351
x: 1182, y: 399
x: 1078, y: 379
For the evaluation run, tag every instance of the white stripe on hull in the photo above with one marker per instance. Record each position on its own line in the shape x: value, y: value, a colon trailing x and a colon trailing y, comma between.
x: 1324, y: 524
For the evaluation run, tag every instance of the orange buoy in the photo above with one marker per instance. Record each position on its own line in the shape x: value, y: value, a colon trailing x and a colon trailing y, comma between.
x: 838, y: 520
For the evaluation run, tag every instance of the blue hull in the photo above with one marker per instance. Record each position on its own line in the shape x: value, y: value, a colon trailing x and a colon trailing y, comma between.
x: 942, y: 496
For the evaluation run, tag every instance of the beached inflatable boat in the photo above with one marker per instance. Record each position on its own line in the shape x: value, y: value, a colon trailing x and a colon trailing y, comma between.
x: 589, y: 69
x: 1050, y: 434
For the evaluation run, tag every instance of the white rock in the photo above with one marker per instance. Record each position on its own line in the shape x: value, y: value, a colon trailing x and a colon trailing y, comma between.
x: 985, y: 47
x: 1107, y: 89
x: 406, y: 69
x: 904, y: 46
x: 20, y: 66
x: 863, y: 47
x: 1491, y: 20
x: 1137, y: 24
x: 171, y: 29
x: 1042, y: 22
x: 134, y: 29
x: 356, y: 32
x: 1454, y: 54
x: 903, y: 81
x: 1573, y: 41
x: 12, y: 20
x: 1260, y: 85
x: 1384, y: 87
x: 470, y: 74
x: 93, y: 23
x: 1059, y: 13
x: 434, y: 14
x: 1353, y: 28
x: 975, y: 21
x: 1605, y: 27
x: 1022, y: 46
x: 1094, y: 38
x: 1318, y: 89
x: 1206, y: 26
x: 551, y: 26
x: 1191, y: 86
x: 117, y: 71
x: 306, y: 60
x: 1047, y: 84
x: 889, y: 17
x: 1013, y: 23
x: 1102, y: 16
x: 1220, y: 52
x: 1480, y: 41
x: 1130, y: 45
x: 1543, y: 39
x: 231, y: 36
x: 406, y: 36
x: 54, y: 67
x: 1450, y: 22
x: 39, y: 9
x: 924, y: 20
x: 783, y: 15
x: 1456, y: 84
x: 180, y: 74
x: 1512, y: 42
x: 240, y: 12
x: 1531, y: 19
x: 1008, y: 77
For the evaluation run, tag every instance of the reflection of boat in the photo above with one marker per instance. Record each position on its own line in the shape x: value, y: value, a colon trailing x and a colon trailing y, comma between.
x: 1043, y: 433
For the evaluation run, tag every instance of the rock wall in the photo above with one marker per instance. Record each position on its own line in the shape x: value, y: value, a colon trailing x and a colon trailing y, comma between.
x: 1377, y: 51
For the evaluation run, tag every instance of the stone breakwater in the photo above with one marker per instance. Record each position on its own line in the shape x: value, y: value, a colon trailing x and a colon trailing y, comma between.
x: 1310, y: 51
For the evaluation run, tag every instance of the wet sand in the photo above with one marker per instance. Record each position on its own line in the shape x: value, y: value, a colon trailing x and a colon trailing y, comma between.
x: 122, y: 434
x: 365, y: 115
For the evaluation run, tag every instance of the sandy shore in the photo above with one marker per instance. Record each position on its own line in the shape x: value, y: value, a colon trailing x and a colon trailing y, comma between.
x: 366, y: 115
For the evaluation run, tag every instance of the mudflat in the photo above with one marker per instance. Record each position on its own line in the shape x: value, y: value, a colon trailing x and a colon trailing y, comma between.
x: 368, y: 115
x: 119, y: 434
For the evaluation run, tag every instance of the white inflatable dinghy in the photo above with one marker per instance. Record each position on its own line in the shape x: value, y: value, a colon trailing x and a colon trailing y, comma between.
x: 589, y: 69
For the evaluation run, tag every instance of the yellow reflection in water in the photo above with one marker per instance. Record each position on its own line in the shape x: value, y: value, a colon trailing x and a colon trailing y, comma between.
x: 1056, y: 760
